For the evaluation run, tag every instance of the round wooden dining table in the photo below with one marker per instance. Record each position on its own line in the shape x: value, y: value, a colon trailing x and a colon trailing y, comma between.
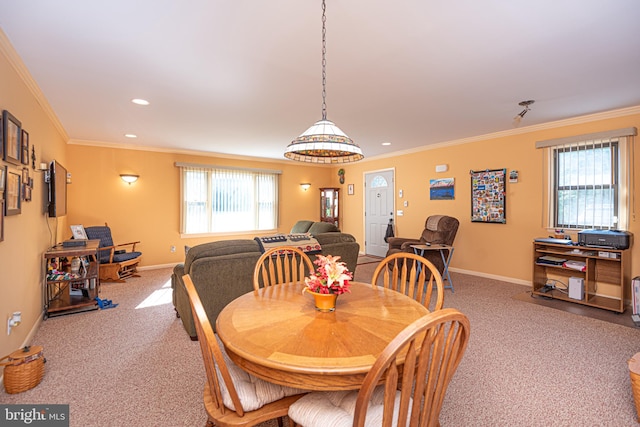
x: 276, y: 334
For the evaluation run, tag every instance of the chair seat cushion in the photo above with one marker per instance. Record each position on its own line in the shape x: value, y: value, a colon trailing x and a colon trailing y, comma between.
x: 336, y: 408
x: 253, y: 392
x: 125, y: 256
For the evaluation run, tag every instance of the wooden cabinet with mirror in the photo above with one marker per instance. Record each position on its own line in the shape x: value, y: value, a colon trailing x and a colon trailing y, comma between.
x: 329, y: 207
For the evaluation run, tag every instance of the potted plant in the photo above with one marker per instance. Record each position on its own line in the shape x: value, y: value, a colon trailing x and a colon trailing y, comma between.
x: 330, y: 279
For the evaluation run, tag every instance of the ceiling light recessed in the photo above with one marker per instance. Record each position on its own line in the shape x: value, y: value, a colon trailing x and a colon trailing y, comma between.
x: 140, y: 101
x: 130, y: 135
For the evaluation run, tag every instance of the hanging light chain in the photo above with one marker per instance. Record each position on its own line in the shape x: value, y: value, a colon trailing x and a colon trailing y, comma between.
x: 324, y: 61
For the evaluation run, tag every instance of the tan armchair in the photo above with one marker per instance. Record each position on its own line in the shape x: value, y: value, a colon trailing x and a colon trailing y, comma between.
x: 437, y: 229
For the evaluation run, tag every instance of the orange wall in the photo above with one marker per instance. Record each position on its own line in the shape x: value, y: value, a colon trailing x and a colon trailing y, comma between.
x: 495, y: 250
x: 28, y: 235
x: 149, y: 209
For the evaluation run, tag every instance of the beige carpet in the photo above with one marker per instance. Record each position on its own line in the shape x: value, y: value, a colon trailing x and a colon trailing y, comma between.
x: 368, y: 259
x: 526, y: 365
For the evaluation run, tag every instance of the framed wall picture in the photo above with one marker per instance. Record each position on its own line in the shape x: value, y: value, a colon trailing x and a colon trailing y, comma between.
x: 26, y: 193
x: 25, y: 176
x: 24, y: 141
x: 3, y: 180
x: 1, y: 138
x: 13, y: 193
x: 442, y: 189
x: 1, y: 220
x: 488, y: 196
x: 11, y: 136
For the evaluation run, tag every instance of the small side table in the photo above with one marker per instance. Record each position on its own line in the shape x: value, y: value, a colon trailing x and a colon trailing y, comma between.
x: 446, y: 252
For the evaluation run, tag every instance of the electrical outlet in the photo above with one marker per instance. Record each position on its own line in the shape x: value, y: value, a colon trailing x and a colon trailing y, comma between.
x: 399, y: 213
x: 173, y: 248
x: 13, y: 321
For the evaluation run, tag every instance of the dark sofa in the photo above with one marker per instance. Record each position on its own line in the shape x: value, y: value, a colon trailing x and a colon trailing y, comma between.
x: 222, y: 271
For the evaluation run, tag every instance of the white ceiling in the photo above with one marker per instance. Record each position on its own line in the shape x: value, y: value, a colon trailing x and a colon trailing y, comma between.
x: 244, y: 77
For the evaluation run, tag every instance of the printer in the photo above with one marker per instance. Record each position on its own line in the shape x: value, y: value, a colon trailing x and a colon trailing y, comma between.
x: 611, y: 239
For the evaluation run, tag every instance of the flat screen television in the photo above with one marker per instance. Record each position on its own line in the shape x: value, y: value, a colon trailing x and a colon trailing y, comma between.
x: 57, y: 189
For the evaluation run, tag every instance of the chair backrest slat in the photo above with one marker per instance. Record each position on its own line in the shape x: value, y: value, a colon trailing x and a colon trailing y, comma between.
x: 284, y: 264
x: 407, y: 273
x: 431, y: 349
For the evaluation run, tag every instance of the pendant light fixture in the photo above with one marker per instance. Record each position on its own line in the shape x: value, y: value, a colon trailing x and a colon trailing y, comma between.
x: 323, y: 142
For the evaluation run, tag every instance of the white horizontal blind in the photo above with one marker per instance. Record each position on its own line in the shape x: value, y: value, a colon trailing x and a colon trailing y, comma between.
x: 223, y: 200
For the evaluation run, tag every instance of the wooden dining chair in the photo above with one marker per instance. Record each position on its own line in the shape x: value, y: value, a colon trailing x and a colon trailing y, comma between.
x: 430, y: 350
x: 412, y: 275
x: 284, y: 264
x: 231, y: 396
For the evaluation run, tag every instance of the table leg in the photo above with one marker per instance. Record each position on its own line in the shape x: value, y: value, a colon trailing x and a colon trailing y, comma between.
x: 446, y: 268
x: 445, y: 260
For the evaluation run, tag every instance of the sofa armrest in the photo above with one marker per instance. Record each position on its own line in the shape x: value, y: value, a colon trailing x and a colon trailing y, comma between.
x: 178, y: 272
x: 401, y: 242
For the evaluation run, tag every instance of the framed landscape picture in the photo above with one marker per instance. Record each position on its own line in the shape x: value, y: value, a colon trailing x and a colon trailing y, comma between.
x: 11, y: 137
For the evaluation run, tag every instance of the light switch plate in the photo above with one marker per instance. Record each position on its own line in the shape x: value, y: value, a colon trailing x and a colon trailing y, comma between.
x: 400, y: 213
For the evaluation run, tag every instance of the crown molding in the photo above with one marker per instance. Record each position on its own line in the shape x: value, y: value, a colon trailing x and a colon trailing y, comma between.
x: 518, y: 131
x: 6, y: 48
x: 90, y: 143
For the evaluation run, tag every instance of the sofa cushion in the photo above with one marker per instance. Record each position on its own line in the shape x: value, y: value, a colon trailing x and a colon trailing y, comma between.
x: 322, y: 227
x: 301, y: 226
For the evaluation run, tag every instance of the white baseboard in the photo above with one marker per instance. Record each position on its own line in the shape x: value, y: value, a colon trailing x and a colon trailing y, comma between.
x: 492, y: 276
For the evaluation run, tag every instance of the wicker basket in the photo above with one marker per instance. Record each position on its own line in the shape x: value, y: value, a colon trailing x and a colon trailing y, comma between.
x: 634, y: 372
x: 23, y: 369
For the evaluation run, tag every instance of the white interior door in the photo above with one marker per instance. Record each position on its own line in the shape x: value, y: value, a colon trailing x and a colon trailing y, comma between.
x: 379, y: 190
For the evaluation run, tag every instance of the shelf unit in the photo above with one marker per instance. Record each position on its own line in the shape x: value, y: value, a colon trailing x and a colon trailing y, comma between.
x: 60, y: 297
x: 605, y: 268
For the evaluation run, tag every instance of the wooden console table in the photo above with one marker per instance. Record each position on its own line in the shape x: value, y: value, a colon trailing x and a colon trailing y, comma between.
x: 65, y: 293
x: 604, y: 270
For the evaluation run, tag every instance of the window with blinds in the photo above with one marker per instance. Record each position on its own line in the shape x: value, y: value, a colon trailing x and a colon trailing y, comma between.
x: 586, y: 189
x: 223, y: 200
x: 589, y: 180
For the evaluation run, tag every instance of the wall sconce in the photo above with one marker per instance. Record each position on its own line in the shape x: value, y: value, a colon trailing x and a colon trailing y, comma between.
x: 129, y: 178
x: 305, y: 186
